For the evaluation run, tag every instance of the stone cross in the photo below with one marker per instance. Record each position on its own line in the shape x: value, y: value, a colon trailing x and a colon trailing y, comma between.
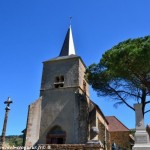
x: 8, y: 102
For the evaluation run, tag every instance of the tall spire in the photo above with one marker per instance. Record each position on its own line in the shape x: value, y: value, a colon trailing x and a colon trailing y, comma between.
x: 68, y: 45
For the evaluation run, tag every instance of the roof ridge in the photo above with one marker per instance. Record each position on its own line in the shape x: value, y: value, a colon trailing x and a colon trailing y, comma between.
x: 121, y: 122
x: 118, y: 121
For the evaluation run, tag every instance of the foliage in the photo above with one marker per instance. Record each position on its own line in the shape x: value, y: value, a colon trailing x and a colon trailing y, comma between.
x: 123, y: 73
x: 15, y: 140
x: 132, y: 132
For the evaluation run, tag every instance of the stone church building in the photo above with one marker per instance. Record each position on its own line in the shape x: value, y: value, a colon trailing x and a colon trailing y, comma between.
x: 64, y: 112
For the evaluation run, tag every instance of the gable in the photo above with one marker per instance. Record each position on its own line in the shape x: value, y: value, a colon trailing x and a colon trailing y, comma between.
x: 115, y: 124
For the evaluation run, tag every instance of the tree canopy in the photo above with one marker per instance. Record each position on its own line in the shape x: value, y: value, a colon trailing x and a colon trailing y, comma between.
x: 123, y: 73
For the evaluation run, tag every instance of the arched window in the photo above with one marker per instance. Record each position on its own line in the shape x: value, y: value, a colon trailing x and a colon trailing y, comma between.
x: 56, y: 136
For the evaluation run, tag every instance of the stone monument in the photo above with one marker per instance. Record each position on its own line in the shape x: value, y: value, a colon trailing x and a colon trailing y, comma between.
x: 141, y: 136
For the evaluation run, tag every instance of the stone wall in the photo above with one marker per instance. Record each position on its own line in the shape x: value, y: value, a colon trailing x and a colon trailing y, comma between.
x: 59, y: 108
x: 68, y: 67
x: 33, y: 123
x: 82, y: 69
x: 121, y: 139
x: 92, y: 122
x: 83, y: 120
x: 104, y: 135
x: 71, y: 147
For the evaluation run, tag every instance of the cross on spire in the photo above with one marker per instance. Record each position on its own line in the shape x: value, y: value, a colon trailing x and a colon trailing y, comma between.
x: 70, y: 20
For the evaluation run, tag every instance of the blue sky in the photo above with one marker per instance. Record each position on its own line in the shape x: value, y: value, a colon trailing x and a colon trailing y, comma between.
x: 32, y: 31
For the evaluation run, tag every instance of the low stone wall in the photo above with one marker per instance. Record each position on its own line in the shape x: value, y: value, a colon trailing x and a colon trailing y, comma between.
x: 70, y: 146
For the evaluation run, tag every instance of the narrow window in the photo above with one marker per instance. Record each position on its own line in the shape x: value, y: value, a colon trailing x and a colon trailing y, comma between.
x: 62, y: 78
x: 57, y: 79
x: 56, y: 83
x: 84, y: 86
x: 61, y: 81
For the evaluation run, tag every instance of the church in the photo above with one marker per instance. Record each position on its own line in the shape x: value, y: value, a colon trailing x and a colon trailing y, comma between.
x: 64, y: 112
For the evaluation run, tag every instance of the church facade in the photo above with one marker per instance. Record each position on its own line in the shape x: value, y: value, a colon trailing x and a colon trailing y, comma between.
x: 64, y: 113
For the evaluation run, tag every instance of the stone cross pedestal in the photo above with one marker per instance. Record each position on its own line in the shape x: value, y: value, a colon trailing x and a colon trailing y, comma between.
x: 142, y: 141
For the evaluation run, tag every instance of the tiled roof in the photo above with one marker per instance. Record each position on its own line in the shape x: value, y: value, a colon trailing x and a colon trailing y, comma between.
x: 115, y: 124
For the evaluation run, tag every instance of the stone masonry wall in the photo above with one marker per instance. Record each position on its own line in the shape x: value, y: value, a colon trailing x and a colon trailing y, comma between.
x: 83, y: 120
x: 92, y: 122
x: 102, y: 135
x: 33, y: 123
x: 82, y: 70
x: 120, y: 138
x: 66, y: 67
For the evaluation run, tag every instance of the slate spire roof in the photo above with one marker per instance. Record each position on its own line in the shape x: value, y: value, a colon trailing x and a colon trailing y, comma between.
x: 68, y: 45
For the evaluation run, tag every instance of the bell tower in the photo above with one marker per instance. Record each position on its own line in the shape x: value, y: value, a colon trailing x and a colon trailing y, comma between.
x: 64, y: 97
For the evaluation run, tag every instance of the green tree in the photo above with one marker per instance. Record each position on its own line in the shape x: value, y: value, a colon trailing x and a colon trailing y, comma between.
x: 15, y: 140
x: 123, y: 73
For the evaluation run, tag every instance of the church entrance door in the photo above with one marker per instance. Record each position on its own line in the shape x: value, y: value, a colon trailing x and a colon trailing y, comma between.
x: 56, y: 136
